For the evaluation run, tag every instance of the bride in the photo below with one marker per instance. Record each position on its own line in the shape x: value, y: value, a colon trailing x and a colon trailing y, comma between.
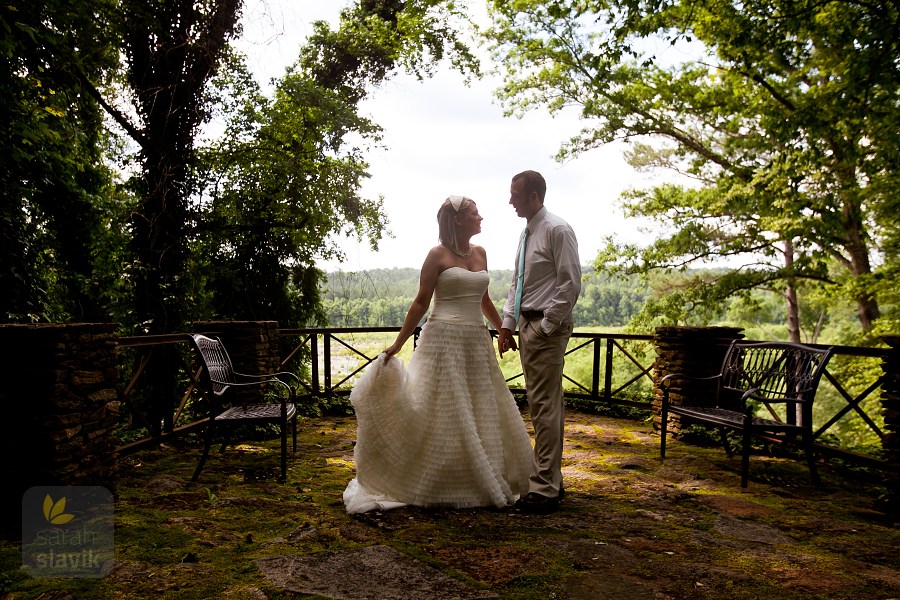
x: 446, y: 431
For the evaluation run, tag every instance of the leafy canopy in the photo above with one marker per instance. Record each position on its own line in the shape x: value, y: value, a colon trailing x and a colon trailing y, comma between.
x: 779, y: 118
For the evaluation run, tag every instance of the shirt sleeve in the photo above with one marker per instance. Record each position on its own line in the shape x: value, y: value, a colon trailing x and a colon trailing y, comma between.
x: 509, y: 321
x: 568, y: 275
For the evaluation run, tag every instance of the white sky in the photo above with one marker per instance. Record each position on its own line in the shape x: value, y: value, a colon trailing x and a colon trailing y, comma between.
x: 444, y: 138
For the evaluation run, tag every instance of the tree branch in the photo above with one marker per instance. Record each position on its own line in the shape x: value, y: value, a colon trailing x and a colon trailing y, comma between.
x: 135, y: 133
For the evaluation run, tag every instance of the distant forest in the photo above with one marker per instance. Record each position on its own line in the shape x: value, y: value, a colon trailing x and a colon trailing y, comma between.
x: 381, y: 297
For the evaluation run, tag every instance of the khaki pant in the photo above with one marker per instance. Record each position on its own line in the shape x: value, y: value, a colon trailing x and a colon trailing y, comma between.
x: 542, y: 359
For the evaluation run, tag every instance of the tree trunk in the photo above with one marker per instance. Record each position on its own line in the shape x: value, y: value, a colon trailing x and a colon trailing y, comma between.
x: 857, y: 250
x: 867, y: 305
x: 790, y: 295
x: 172, y: 49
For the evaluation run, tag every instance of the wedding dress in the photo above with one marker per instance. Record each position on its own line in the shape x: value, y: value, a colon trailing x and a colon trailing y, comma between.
x: 446, y: 431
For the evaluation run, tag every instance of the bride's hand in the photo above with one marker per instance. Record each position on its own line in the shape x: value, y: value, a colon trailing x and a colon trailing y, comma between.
x: 389, y: 352
x: 506, y: 342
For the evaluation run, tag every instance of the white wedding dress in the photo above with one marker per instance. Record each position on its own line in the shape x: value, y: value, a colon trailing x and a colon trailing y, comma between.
x: 446, y: 431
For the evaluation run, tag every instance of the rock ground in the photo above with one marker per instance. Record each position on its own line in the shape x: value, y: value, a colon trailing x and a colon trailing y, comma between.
x: 630, y: 527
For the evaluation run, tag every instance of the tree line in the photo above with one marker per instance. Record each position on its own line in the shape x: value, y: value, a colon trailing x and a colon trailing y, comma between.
x: 381, y: 298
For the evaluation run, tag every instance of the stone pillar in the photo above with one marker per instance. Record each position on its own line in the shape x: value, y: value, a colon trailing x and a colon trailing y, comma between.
x: 60, y: 405
x: 252, y: 346
x: 694, y: 351
x: 890, y: 402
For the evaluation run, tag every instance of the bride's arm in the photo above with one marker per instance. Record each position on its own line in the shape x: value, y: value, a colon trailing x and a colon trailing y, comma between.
x: 418, y: 308
x: 490, y: 311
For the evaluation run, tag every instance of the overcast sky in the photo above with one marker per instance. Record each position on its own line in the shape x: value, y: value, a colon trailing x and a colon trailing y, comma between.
x: 444, y: 138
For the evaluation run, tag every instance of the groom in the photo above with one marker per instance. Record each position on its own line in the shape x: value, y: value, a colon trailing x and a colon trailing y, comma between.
x: 545, y: 286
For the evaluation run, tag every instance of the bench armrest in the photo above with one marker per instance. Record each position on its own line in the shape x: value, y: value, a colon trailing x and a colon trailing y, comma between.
x: 247, y: 384
x: 278, y: 375
x: 672, y: 376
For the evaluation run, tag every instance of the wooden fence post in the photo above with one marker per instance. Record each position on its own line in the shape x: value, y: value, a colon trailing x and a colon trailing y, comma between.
x: 890, y: 401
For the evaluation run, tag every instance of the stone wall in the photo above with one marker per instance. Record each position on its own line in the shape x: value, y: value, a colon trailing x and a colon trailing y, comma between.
x: 694, y: 351
x: 60, y: 402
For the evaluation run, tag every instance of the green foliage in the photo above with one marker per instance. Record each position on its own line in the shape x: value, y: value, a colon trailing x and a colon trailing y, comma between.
x: 230, y: 232
x: 781, y: 116
x: 51, y: 172
x: 283, y: 183
x: 280, y: 184
x: 332, y: 405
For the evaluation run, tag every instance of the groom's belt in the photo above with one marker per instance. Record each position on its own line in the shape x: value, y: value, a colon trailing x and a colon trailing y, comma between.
x: 532, y: 315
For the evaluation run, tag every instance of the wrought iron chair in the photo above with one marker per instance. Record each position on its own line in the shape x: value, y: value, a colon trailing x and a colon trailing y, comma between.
x: 220, y: 384
x: 766, y: 372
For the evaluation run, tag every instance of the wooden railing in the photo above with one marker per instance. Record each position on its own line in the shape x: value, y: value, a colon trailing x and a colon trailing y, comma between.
x: 855, y: 375
x: 326, y: 381
x: 616, y: 371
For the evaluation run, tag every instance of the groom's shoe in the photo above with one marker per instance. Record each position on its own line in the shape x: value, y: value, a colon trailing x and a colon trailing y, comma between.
x: 535, y: 503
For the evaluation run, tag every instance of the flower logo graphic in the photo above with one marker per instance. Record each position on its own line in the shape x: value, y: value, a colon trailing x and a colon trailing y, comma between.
x: 55, y: 512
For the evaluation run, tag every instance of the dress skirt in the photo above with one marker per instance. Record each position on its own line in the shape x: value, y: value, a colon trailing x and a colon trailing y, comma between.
x: 444, y: 432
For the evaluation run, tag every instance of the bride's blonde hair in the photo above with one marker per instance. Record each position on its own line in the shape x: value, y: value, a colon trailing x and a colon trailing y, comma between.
x: 452, y: 206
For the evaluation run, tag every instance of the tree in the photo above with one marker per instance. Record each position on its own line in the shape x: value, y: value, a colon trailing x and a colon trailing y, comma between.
x: 172, y: 51
x: 786, y: 120
x: 161, y: 95
x: 63, y: 71
x: 287, y: 175
x: 51, y: 171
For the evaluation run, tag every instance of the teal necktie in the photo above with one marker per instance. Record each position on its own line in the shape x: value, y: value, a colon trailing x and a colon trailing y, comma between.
x: 520, y: 274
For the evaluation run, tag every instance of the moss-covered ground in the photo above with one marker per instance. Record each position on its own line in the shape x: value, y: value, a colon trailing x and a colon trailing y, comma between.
x: 629, y: 527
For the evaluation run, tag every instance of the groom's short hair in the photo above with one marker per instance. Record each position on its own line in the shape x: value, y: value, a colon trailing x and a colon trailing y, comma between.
x: 534, y: 182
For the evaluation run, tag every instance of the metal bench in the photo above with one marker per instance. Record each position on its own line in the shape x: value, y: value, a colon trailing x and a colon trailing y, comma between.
x: 220, y: 383
x: 766, y: 373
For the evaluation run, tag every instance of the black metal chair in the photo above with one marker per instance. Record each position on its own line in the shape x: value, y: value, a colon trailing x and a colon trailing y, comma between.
x: 220, y: 384
x: 767, y: 372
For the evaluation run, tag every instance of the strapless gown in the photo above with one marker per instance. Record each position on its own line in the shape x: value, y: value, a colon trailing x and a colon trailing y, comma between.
x: 446, y: 431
